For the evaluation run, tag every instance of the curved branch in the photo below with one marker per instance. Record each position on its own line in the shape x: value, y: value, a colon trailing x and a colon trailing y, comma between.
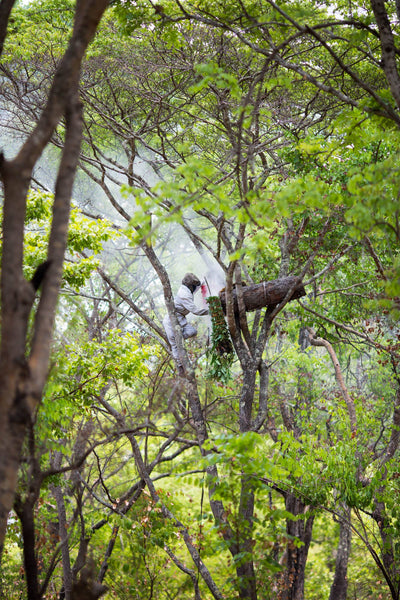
x: 132, y: 304
x: 316, y: 341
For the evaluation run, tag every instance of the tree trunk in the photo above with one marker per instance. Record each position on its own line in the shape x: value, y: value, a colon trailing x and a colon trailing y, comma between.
x: 390, y: 564
x: 63, y: 533
x: 245, y: 568
x: 388, y: 48
x: 242, y: 552
x: 5, y: 11
x: 340, y: 582
x: 292, y: 580
x: 25, y: 514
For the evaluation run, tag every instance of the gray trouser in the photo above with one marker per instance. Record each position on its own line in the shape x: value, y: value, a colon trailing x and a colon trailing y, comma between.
x: 188, y: 331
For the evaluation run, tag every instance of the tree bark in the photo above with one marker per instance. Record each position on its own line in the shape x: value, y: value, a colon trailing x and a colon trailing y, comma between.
x: 388, y: 48
x: 245, y: 569
x: 390, y: 564
x: 25, y: 514
x: 63, y: 532
x: 6, y: 7
x: 340, y: 581
x: 267, y: 293
x: 293, y: 578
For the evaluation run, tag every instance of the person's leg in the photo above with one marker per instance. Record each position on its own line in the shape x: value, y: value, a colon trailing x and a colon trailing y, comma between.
x: 171, y: 338
x: 189, y: 331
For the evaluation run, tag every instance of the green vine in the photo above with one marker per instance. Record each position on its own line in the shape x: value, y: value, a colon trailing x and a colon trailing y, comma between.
x: 221, y: 352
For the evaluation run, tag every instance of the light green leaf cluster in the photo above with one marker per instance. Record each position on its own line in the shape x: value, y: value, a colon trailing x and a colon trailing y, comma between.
x: 212, y: 73
x: 30, y: 38
x: 76, y: 274
x: 87, y: 234
x: 248, y: 453
x: 84, y: 370
x: 119, y: 357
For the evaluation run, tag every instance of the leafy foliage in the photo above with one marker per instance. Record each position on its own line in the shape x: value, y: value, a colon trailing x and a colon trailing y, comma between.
x: 221, y: 351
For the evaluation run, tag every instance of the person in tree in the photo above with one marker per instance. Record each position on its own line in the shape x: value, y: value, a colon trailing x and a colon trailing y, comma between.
x: 184, y: 304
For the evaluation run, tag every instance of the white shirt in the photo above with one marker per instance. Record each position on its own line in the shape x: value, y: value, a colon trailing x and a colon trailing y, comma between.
x: 184, y: 303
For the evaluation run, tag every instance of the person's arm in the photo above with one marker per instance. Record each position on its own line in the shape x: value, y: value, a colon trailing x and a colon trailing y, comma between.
x: 186, y: 299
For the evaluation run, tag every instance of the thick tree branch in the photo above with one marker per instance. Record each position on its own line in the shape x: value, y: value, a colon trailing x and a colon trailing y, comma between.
x: 6, y: 7
x: 388, y: 48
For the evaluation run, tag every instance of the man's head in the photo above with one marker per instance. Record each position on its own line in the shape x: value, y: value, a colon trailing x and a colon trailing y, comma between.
x: 192, y: 282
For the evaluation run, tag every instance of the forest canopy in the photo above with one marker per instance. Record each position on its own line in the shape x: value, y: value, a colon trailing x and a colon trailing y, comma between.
x: 256, y: 145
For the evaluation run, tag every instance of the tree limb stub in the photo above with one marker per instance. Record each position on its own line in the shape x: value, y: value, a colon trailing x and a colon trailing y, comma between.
x: 266, y: 293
